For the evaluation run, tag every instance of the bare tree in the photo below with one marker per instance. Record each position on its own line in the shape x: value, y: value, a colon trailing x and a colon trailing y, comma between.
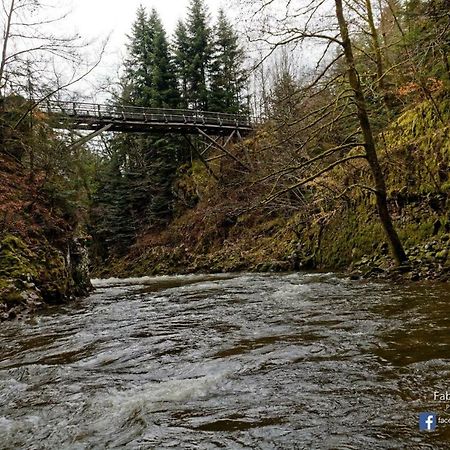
x: 328, y: 25
x: 36, y: 41
x: 38, y: 60
x: 28, y: 36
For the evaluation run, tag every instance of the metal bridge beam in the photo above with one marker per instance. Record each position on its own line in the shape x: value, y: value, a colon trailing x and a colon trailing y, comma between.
x: 202, y: 159
x: 91, y: 116
x: 223, y: 149
x: 89, y: 137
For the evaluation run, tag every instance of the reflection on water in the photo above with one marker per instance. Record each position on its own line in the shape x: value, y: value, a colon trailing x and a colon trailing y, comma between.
x: 229, y: 361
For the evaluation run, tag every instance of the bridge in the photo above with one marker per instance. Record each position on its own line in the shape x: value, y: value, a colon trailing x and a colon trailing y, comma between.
x: 92, y: 116
x: 215, y: 128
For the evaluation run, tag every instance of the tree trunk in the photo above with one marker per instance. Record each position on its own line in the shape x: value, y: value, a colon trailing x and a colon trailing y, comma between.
x: 376, y: 47
x: 369, y: 142
x: 6, y: 36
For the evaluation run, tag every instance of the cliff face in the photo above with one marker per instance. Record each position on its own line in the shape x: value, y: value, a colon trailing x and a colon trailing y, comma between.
x: 43, y: 258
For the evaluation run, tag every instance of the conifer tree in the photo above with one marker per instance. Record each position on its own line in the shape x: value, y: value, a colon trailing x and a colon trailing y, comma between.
x: 181, y: 61
x: 149, y: 161
x: 112, y: 216
x: 199, y: 53
x: 164, y: 91
x: 227, y: 76
x: 138, y: 64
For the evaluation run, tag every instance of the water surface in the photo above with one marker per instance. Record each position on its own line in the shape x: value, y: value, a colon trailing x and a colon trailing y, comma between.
x: 229, y: 361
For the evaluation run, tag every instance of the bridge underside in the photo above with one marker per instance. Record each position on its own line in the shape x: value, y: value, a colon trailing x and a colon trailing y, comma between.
x: 154, y: 126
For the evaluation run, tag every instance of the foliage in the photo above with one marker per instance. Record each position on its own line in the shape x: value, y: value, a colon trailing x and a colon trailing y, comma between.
x: 138, y: 63
x: 426, y: 37
x: 149, y: 72
x: 164, y: 91
x: 227, y: 78
x: 137, y: 187
x: 181, y: 61
x: 209, y: 62
x: 199, y: 53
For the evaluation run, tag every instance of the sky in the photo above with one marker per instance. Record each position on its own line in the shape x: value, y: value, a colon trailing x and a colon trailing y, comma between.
x: 99, y: 18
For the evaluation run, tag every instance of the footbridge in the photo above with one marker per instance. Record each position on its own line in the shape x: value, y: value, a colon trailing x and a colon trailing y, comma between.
x: 215, y: 129
x: 93, y: 116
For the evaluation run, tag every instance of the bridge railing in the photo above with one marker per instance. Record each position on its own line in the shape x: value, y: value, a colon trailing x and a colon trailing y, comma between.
x: 83, y: 110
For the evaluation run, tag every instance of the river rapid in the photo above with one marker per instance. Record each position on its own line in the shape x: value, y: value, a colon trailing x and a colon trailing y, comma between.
x: 244, y: 361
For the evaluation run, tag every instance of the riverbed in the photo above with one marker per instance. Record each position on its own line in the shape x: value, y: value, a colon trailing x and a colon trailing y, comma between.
x: 242, y: 361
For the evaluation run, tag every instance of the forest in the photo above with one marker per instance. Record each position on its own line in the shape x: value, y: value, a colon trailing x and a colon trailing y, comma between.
x: 347, y: 167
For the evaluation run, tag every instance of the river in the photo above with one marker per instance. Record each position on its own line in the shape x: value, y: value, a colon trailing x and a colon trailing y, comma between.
x: 245, y: 361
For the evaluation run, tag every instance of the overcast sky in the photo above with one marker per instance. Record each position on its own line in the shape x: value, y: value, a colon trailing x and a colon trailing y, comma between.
x: 101, y: 18
x: 98, y: 18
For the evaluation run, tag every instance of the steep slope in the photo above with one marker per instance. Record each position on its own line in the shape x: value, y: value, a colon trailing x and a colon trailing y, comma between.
x: 43, y: 258
x: 216, y: 236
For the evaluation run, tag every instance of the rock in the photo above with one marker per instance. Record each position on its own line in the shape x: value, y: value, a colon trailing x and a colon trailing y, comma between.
x: 384, y: 248
x: 355, y: 275
x: 35, y: 273
x: 436, y: 227
x: 308, y: 263
x: 373, y: 271
x: 442, y: 255
x: 402, y: 268
x: 78, y: 263
x: 414, y: 277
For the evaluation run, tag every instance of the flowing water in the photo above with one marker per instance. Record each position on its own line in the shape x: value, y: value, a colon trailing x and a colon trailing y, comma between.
x: 230, y: 361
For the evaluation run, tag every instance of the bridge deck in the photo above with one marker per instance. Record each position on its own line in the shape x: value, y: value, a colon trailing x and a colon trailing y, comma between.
x: 91, y: 116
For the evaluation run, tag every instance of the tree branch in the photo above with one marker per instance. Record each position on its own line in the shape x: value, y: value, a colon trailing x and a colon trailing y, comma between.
x: 312, y: 177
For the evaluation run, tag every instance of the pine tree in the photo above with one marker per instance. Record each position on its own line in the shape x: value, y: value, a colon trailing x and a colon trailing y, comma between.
x: 112, y: 215
x: 138, y: 192
x: 138, y: 64
x: 226, y: 73
x: 150, y: 77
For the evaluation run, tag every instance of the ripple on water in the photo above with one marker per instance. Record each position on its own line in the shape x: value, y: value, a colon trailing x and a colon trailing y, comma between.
x: 229, y: 361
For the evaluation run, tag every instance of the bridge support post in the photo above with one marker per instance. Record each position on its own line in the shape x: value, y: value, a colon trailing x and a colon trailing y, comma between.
x: 202, y: 159
x: 222, y: 147
x: 87, y: 138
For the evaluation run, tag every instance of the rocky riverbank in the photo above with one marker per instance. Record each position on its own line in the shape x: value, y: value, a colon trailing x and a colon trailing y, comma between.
x: 352, y: 243
x: 427, y: 261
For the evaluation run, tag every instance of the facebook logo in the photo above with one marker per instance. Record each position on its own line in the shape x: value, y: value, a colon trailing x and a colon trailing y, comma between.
x: 427, y: 421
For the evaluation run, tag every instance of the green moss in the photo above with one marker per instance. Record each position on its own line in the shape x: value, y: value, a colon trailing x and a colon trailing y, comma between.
x: 8, y: 292
x: 16, y: 259
x: 417, y: 149
x: 29, y: 275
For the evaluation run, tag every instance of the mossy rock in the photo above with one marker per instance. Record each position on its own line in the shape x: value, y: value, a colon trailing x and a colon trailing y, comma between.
x: 9, y: 293
x: 17, y: 261
x: 442, y: 255
x: 30, y: 277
